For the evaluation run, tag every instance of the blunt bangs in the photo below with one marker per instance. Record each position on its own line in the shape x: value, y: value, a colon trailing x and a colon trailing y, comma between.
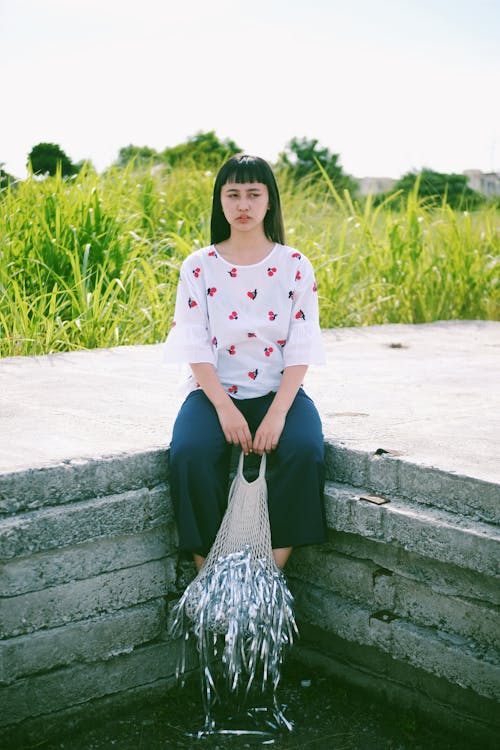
x: 243, y: 168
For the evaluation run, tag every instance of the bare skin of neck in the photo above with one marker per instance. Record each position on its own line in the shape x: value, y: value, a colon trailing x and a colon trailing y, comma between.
x: 245, y: 248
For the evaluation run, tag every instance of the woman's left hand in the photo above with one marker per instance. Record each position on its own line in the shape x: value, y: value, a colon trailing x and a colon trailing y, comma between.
x: 269, y: 431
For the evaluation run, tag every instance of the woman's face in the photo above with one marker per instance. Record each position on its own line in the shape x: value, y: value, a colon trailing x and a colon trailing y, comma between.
x: 244, y: 204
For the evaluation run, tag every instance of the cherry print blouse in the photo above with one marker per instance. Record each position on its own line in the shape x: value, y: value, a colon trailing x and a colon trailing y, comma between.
x: 249, y: 321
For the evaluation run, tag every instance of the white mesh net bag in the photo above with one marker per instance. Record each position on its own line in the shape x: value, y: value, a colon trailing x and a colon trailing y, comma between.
x: 239, y: 595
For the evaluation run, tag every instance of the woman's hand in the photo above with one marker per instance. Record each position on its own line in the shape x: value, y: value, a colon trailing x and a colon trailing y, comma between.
x: 269, y: 431
x: 232, y: 421
x: 234, y: 426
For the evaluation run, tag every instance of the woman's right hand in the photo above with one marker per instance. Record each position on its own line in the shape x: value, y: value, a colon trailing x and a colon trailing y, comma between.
x: 232, y: 421
x: 235, y: 426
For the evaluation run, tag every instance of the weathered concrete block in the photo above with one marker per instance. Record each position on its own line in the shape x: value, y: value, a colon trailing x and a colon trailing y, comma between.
x: 78, y: 684
x: 426, y: 485
x: 382, y: 474
x: 467, y: 496
x: 425, y: 648
x: 99, y: 638
x: 336, y: 614
x: 429, y: 532
x: 402, y: 684
x: 346, y: 465
x: 78, y: 600
x: 81, y: 479
x: 444, y: 578
x: 422, y: 605
x: 86, y: 560
x: 441, y: 655
x: 49, y: 528
x: 350, y: 577
x: 378, y: 588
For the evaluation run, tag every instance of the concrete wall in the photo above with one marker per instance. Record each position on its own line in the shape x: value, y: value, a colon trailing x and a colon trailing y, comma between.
x: 404, y: 598
x: 89, y: 566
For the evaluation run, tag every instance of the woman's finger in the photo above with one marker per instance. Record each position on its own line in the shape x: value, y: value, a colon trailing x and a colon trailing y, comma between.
x: 256, y: 445
x: 246, y: 441
x: 232, y: 437
x: 260, y: 444
x: 245, y: 447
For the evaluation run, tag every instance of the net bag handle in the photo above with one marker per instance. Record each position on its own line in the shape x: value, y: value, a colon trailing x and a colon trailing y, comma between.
x: 262, y: 469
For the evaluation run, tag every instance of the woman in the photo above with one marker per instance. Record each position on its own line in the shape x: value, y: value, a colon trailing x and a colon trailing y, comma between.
x: 246, y: 321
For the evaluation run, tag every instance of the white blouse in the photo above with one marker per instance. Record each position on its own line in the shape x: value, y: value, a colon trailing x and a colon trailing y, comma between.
x: 249, y: 321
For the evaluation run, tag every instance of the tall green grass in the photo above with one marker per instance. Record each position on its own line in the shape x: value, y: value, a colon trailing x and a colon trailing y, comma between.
x: 93, y: 261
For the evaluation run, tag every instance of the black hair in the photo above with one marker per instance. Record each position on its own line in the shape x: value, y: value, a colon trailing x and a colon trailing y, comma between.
x: 244, y: 168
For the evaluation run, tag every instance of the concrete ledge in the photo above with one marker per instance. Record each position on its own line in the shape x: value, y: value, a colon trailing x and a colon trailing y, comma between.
x: 89, y: 478
x: 81, y: 479
x: 390, y: 475
x: 102, y: 563
x: 430, y: 391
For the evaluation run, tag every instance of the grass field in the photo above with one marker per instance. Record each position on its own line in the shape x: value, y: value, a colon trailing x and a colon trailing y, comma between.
x: 93, y: 261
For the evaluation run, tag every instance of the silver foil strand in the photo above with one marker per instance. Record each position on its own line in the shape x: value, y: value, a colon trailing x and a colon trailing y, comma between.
x: 241, y: 610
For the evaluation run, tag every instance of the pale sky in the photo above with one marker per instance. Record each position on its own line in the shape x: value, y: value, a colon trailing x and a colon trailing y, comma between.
x: 391, y: 86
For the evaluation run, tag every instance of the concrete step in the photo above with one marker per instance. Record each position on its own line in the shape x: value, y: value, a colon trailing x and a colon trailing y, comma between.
x: 81, y: 479
x: 444, y: 578
x: 76, y: 522
x: 78, y: 600
x: 384, y: 473
x: 437, y: 653
x: 86, y: 478
x: 78, y: 684
x: 406, y: 593
x: 85, y: 641
x: 86, y: 560
x: 430, y: 532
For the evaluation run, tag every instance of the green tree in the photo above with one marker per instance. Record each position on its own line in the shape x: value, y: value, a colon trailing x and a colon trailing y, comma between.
x: 439, y: 187
x: 204, y: 150
x: 300, y: 159
x: 5, y: 178
x: 141, y: 154
x: 46, y: 157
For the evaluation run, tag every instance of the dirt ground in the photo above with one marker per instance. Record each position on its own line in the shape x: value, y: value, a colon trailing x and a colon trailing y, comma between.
x: 326, y: 715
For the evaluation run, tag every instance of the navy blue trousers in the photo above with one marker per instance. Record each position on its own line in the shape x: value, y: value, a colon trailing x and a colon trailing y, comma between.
x: 200, y: 464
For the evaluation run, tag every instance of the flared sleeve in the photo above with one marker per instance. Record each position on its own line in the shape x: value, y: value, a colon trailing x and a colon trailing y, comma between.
x: 304, y: 344
x: 189, y: 337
